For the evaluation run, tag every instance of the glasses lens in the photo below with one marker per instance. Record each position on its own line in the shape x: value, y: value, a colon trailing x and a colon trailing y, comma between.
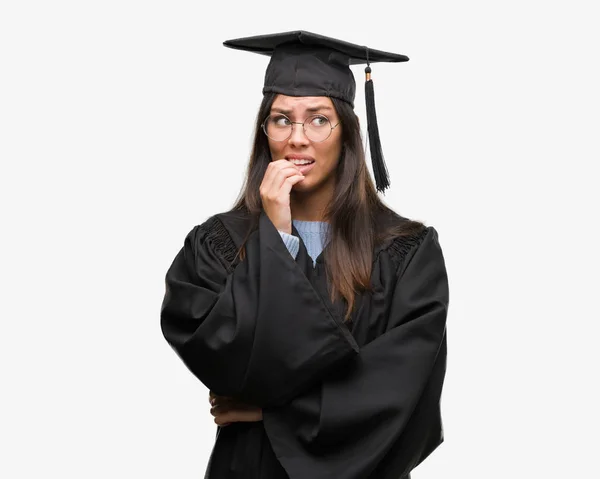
x: 317, y: 127
x: 277, y: 127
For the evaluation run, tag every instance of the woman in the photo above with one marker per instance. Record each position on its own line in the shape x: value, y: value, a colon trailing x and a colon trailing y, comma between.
x: 314, y: 314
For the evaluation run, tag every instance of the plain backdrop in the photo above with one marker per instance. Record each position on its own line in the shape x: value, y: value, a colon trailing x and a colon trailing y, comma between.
x: 125, y: 123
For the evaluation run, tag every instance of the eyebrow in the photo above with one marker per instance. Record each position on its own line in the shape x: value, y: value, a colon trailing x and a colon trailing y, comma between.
x: 312, y: 109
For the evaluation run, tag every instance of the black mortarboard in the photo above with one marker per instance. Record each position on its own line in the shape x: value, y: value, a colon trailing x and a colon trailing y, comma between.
x: 307, y: 64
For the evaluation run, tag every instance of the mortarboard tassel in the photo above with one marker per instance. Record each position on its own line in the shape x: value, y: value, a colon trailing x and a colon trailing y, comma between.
x: 382, y: 180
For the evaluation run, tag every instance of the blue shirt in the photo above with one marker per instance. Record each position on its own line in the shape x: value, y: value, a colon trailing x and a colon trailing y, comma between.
x: 313, y: 234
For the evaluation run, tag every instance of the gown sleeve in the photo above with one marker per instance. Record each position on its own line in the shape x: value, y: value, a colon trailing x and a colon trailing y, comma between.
x: 258, y: 331
x: 347, y: 424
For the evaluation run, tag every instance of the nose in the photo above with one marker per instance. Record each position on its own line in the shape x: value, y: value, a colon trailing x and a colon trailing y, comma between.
x: 298, y: 137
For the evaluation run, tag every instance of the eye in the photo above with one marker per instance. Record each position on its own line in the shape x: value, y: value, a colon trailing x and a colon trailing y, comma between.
x: 279, y: 121
x: 319, y: 121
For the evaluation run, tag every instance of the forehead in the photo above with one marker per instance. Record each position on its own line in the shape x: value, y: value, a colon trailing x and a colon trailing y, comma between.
x: 300, y: 103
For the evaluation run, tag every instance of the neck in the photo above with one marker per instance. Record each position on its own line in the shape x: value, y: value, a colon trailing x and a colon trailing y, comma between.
x: 311, y: 205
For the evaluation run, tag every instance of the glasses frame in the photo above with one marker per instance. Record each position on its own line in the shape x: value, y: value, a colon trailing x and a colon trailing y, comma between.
x: 292, y: 123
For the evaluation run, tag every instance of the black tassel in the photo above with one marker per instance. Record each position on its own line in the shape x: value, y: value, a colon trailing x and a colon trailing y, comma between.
x: 382, y: 180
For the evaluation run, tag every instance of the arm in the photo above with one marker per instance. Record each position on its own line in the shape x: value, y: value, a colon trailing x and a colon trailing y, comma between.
x: 260, y: 333
x: 389, y: 394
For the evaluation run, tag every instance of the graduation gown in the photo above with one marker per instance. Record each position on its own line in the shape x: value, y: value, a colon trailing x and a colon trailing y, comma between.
x: 357, y: 400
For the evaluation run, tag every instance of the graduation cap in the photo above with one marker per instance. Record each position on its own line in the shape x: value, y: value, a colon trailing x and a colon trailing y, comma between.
x: 307, y: 64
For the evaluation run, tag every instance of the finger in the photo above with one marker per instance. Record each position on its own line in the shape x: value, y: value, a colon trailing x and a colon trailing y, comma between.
x: 239, y: 415
x: 214, y: 398
x: 287, y: 185
x: 233, y: 409
x: 280, y: 180
x: 222, y: 406
x: 218, y: 410
x: 212, y: 395
x: 282, y: 162
x: 276, y: 173
x: 275, y: 176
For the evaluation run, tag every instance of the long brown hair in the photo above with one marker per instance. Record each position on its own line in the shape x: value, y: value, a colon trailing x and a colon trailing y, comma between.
x: 352, y: 214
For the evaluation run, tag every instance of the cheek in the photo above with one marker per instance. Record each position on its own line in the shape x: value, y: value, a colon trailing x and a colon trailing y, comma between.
x: 332, y: 153
x: 275, y: 149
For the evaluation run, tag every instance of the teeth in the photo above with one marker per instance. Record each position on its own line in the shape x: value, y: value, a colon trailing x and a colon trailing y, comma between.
x: 301, y: 162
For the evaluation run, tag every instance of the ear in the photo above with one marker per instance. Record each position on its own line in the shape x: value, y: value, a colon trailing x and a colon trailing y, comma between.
x: 357, y: 119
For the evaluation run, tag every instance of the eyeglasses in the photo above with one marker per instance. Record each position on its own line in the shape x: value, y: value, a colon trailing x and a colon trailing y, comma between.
x: 279, y: 127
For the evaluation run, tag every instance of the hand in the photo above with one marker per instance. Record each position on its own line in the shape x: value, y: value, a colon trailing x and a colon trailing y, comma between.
x: 275, y: 190
x: 227, y: 410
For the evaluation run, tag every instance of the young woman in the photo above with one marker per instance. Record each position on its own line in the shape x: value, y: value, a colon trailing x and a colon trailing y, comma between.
x: 315, y: 314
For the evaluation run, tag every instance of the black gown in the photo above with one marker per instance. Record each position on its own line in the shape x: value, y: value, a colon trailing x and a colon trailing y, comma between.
x: 358, y: 400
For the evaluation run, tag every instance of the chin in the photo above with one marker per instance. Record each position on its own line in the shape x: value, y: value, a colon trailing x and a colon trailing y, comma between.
x: 299, y: 186
x: 302, y: 186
